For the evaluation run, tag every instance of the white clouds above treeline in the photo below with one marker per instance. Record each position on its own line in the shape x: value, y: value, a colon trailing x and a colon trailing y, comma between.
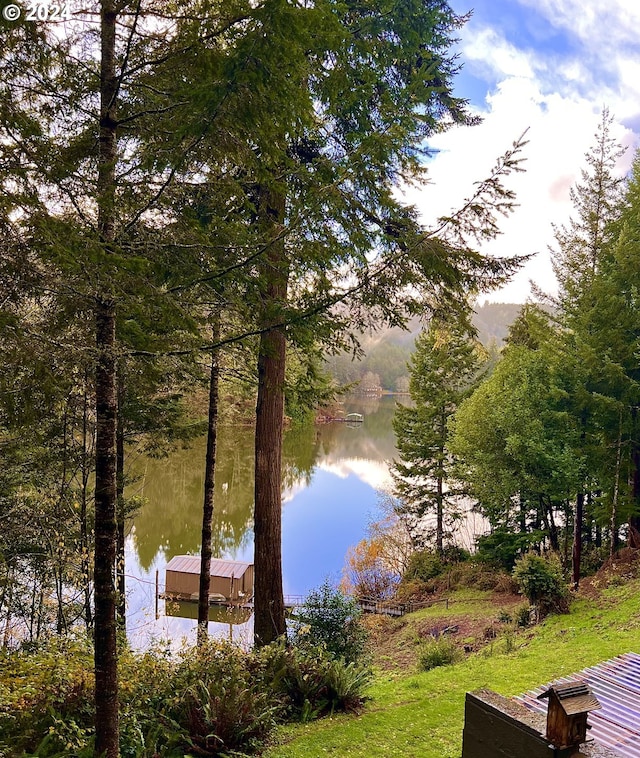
x: 555, y: 93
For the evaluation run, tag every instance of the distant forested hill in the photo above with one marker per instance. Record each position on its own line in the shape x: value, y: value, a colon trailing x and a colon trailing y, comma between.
x: 492, y: 320
x: 387, y: 351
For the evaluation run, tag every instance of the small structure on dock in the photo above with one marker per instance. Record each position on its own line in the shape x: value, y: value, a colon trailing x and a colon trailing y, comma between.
x: 231, y: 581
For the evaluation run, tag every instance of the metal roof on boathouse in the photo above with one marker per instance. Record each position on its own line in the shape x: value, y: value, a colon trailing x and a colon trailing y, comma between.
x: 190, y: 564
x: 231, y: 581
x: 616, y: 684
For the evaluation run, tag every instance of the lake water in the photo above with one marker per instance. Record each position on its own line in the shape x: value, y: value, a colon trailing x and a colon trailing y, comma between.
x: 332, y: 475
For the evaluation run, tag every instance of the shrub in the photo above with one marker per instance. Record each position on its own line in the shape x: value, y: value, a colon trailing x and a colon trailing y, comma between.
x: 368, y: 572
x: 146, y: 684
x: 506, y: 584
x: 540, y: 580
x: 332, y: 620
x: 214, y: 706
x: 503, y: 548
x: 523, y: 615
x: 423, y: 565
x: 441, y: 652
x: 592, y: 559
x: 46, y: 698
x: 479, y: 576
x: 213, y: 701
x: 310, y: 682
x: 509, y: 641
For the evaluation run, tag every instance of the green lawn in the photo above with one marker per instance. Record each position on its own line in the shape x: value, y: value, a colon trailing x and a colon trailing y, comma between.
x: 422, y: 714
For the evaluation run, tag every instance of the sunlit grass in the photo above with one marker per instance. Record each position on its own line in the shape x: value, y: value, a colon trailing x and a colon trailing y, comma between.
x: 422, y: 714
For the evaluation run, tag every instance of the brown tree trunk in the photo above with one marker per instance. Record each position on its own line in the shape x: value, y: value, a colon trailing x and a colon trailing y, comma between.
x: 209, y: 488
x: 106, y: 662
x: 576, y: 554
x: 613, y: 519
x: 440, y: 517
x: 546, y: 508
x: 634, y: 518
x: 84, y: 526
x: 440, y: 492
x: 120, y: 514
x: 269, y: 616
x: 106, y: 657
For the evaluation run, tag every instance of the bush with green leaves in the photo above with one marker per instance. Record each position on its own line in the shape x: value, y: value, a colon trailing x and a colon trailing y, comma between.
x: 46, y: 698
x: 523, y: 615
x: 211, y: 701
x: 310, y: 682
x: 438, y: 652
x: 214, y: 706
x: 332, y: 620
x: 541, y: 581
x: 480, y: 576
x: 502, y: 547
x: 423, y: 565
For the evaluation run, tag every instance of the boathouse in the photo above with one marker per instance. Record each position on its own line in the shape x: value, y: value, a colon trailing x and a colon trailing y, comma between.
x: 231, y: 581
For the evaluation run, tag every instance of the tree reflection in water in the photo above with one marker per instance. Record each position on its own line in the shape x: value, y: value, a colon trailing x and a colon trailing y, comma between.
x: 331, y: 472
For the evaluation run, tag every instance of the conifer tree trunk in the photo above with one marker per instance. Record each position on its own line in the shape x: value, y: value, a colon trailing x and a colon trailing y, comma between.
x: 546, y: 509
x: 634, y: 518
x: 269, y: 615
x: 209, y: 488
x: 613, y: 519
x: 440, y: 516
x: 106, y: 663
x: 84, y: 526
x: 578, y: 524
x: 440, y: 488
x: 106, y: 686
x: 576, y: 555
x: 120, y: 514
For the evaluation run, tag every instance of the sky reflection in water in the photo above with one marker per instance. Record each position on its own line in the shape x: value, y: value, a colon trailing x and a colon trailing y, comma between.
x: 332, y: 473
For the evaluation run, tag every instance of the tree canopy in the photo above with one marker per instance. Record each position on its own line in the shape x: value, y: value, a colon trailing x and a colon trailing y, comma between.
x: 180, y: 179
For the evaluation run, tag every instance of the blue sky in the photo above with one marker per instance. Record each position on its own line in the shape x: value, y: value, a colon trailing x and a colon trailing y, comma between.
x: 549, y: 67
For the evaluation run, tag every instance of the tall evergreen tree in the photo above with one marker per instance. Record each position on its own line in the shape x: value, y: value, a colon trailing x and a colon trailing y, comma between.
x: 580, y: 251
x: 514, y: 440
x: 380, y: 83
x: 613, y: 339
x: 86, y: 197
x: 342, y: 99
x: 596, y: 203
x: 442, y: 371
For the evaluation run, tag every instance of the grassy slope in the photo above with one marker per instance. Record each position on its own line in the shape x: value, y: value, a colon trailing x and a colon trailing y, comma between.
x: 421, y: 714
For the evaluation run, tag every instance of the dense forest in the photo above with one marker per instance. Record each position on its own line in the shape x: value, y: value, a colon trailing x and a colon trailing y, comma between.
x: 199, y: 200
x: 545, y: 441
x: 386, y: 352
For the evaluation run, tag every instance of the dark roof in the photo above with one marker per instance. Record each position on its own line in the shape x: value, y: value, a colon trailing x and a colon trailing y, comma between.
x: 190, y: 564
x: 575, y: 697
x: 616, y: 684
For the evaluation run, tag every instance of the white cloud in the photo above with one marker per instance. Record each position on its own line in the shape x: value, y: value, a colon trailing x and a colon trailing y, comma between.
x: 605, y: 25
x: 490, y: 50
x: 374, y: 473
x: 547, y: 99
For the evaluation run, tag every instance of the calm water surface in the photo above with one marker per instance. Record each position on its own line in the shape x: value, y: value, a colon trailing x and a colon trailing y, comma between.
x: 332, y: 474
